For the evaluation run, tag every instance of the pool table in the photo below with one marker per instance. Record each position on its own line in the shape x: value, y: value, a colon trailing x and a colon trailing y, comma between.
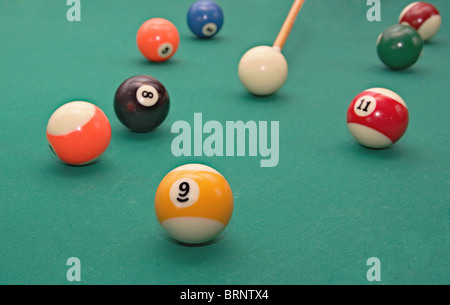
x: 311, y: 205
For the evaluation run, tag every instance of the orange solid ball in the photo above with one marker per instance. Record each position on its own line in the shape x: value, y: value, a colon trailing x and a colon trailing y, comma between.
x: 194, y: 203
x: 158, y: 39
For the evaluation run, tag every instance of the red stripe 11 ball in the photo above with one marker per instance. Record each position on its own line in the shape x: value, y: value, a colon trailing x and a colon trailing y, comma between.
x: 377, y: 117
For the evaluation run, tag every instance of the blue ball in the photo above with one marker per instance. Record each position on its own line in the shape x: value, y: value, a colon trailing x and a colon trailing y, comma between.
x: 205, y: 18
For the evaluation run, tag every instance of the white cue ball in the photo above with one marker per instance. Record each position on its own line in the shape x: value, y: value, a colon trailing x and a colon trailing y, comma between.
x: 263, y: 70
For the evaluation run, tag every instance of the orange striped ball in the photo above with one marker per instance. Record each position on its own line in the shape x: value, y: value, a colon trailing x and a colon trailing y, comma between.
x: 78, y: 133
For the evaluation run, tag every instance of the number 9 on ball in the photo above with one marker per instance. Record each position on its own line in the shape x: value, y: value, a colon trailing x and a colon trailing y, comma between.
x: 194, y: 203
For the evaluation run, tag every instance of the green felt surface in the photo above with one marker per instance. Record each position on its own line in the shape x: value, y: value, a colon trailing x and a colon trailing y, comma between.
x: 315, y: 218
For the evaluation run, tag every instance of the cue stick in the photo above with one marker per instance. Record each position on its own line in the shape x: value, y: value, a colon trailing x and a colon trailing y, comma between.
x: 288, y: 24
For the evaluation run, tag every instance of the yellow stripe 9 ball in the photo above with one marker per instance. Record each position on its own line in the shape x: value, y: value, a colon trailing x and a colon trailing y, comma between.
x: 194, y: 203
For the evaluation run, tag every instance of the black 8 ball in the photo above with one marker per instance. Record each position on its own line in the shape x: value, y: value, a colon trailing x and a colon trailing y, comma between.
x: 141, y: 103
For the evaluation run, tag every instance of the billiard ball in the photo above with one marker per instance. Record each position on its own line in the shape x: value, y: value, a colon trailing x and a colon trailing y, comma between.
x: 377, y: 117
x: 194, y: 203
x: 399, y: 46
x: 158, y: 39
x: 263, y: 70
x: 422, y: 16
x: 78, y: 133
x: 205, y: 18
x: 141, y: 103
